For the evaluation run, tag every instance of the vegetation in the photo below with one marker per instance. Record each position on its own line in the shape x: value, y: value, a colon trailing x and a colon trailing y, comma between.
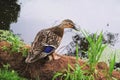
x: 94, y: 53
x: 6, y: 74
x: 9, y: 12
x: 16, y: 45
x: 95, y: 49
x: 111, y: 64
x: 108, y: 38
x: 73, y: 74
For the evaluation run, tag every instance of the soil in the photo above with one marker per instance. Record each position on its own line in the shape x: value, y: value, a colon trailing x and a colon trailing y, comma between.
x: 43, y: 69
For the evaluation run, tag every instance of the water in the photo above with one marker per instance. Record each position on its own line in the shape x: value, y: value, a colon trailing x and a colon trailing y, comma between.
x: 90, y: 15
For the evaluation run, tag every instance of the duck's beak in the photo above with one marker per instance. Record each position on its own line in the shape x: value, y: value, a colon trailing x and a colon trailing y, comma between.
x: 75, y: 28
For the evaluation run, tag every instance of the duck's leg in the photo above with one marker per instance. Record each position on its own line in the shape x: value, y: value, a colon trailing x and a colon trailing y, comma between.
x: 54, y: 56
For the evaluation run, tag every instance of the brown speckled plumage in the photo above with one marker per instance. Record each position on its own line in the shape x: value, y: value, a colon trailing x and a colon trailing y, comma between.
x: 51, y: 36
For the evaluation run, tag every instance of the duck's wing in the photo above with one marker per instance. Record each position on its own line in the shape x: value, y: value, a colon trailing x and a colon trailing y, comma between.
x: 45, y: 38
x: 44, y: 43
x: 39, y: 40
x: 48, y: 49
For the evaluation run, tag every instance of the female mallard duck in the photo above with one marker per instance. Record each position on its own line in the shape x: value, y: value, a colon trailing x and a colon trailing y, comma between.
x: 47, y: 41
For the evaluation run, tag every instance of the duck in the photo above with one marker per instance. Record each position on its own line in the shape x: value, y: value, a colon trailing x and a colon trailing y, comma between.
x: 47, y: 41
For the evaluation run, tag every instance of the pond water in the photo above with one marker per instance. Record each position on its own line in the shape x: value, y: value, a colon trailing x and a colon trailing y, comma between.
x: 90, y: 15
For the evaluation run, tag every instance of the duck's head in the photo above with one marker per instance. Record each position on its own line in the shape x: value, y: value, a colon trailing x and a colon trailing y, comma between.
x: 67, y: 23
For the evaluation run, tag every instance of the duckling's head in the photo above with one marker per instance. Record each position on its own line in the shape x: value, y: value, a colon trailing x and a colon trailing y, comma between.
x: 67, y: 23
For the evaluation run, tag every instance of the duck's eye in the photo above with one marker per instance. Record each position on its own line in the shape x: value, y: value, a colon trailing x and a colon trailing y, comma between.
x: 70, y: 24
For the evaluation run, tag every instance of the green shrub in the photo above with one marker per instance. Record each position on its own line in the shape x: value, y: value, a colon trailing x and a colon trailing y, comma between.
x: 6, y: 74
x: 94, y: 53
x: 111, y: 65
x: 95, y: 50
x: 73, y: 74
x: 9, y: 75
x: 16, y: 44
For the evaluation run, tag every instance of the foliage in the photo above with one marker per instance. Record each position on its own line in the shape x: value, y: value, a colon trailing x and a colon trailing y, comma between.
x: 4, y: 48
x: 6, y: 74
x: 77, y: 56
x: 9, y: 12
x: 9, y: 75
x: 111, y: 64
x: 73, y: 74
x: 24, y: 51
x: 16, y: 44
x: 95, y: 49
x: 108, y: 38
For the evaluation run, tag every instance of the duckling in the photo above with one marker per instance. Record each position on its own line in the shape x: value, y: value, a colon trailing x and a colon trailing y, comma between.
x: 47, y: 41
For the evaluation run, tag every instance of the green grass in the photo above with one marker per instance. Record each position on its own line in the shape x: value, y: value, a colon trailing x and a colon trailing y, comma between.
x: 6, y: 74
x: 95, y: 50
x: 73, y: 74
x: 111, y: 64
x: 16, y: 44
x: 9, y: 75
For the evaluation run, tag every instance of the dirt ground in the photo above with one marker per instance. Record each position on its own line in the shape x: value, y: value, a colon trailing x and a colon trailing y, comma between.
x: 44, y: 70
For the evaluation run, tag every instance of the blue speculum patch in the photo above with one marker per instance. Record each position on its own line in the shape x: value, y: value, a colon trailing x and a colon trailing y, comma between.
x: 48, y: 49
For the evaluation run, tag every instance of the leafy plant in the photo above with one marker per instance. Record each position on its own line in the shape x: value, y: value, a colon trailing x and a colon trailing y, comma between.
x: 4, y: 48
x: 16, y: 44
x: 6, y: 74
x: 6, y: 66
x: 111, y: 64
x: 25, y: 51
x: 9, y: 75
x: 95, y: 49
x: 77, y: 56
x: 73, y: 74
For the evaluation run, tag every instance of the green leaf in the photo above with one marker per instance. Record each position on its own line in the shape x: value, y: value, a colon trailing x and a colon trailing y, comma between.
x: 112, y: 63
